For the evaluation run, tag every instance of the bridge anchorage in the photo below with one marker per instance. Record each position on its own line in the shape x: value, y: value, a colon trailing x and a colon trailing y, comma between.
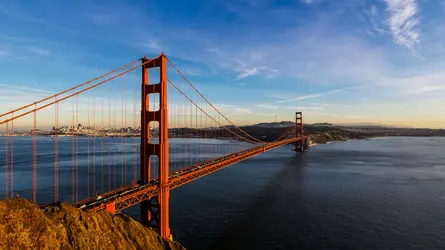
x: 162, y: 167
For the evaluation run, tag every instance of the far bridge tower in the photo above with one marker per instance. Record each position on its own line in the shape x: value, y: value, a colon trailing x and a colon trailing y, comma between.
x: 303, y: 144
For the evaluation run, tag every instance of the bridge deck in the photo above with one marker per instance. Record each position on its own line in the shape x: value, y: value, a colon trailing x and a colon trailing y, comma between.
x: 133, y: 194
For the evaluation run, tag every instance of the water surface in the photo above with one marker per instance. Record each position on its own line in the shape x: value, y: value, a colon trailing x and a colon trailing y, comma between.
x: 384, y: 193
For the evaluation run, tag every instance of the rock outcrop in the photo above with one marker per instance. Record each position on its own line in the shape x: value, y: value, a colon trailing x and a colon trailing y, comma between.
x: 23, y: 225
x: 333, y: 135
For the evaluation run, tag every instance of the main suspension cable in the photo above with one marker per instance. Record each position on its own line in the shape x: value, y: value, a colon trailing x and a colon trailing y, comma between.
x: 76, y: 93
x: 68, y: 90
x: 211, y: 117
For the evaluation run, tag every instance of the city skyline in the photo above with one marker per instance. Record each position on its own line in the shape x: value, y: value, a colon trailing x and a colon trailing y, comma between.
x: 337, y: 61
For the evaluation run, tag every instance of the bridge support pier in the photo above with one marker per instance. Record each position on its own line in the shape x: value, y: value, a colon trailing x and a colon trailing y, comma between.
x: 155, y: 212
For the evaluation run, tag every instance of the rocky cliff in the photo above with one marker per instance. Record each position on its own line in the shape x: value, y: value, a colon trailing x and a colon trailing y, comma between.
x: 23, y: 225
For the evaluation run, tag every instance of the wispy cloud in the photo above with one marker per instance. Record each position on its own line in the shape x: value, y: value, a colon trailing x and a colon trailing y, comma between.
x: 241, y: 111
x: 279, y: 96
x: 429, y: 88
x: 430, y: 83
x: 307, y: 1
x: 102, y: 18
x: 14, y: 10
x: 24, y: 88
x: 257, y: 70
x: 233, y: 110
x: 193, y: 72
x: 153, y: 45
x: 375, y: 19
x: 214, y: 50
x: 39, y: 51
x: 306, y: 108
x: 403, y: 21
x: 248, y: 72
x: 304, y: 97
x: 267, y: 106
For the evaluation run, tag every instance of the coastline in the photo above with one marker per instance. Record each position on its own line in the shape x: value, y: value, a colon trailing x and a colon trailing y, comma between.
x: 327, y: 137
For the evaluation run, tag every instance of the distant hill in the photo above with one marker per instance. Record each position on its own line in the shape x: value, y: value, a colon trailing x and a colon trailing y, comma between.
x: 322, y: 124
x: 364, y: 124
x: 285, y: 124
x: 282, y: 124
x: 326, y: 124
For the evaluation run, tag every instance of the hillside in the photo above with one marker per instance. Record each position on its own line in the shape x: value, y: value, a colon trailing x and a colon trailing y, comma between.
x: 333, y: 135
x: 23, y: 225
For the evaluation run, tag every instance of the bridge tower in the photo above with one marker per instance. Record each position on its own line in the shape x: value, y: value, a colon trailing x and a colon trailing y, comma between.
x: 155, y: 212
x: 301, y: 145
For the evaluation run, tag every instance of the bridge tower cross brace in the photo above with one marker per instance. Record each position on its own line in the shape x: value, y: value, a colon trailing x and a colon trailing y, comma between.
x: 155, y: 212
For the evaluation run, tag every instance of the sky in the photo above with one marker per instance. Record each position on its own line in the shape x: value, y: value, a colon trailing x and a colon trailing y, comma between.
x: 339, y: 61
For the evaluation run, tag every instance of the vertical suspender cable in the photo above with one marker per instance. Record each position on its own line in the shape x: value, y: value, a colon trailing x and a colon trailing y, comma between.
x: 6, y: 159
x: 56, y: 152
x: 77, y: 148
x: 102, y: 147
x: 88, y: 138
x: 12, y: 156
x: 109, y: 137
x: 94, y: 145
x: 72, y: 157
x: 34, y: 175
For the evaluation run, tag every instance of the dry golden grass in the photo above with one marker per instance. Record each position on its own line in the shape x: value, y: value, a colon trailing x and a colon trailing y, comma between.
x: 23, y: 225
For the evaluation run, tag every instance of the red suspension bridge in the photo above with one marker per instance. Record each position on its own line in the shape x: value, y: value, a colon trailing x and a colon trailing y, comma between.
x: 110, y: 143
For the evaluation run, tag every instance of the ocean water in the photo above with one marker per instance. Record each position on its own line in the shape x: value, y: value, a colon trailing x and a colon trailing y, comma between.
x: 386, y: 193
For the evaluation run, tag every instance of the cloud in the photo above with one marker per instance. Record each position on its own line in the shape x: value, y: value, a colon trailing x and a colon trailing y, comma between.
x: 403, y: 21
x: 24, y: 88
x: 267, y: 106
x: 304, y: 97
x: 232, y: 110
x: 39, y: 51
x: 193, y: 72
x: 102, y: 18
x: 374, y: 10
x: 303, y: 53
x: 279, y: 96
x: 147, y: 44
x: 328, y: 104
x: 306, y: 108
x: 153, y: 45
x: 257, y: 70
x: 355, y: 116
x: 429, y: 88
x: 307, y: 1
x: 214, y: 50
x: 375, y: 20
x: 248, y: 72
x: 429, y: 83
x: 241, y: 111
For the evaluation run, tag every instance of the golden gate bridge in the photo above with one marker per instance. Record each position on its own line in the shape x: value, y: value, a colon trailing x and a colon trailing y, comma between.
x: 121, y: 174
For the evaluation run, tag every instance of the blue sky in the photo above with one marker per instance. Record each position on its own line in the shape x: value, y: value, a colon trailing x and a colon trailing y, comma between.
x: 338, y: 61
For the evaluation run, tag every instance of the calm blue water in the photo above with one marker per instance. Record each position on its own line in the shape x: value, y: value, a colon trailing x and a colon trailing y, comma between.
x: 379, y: 194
